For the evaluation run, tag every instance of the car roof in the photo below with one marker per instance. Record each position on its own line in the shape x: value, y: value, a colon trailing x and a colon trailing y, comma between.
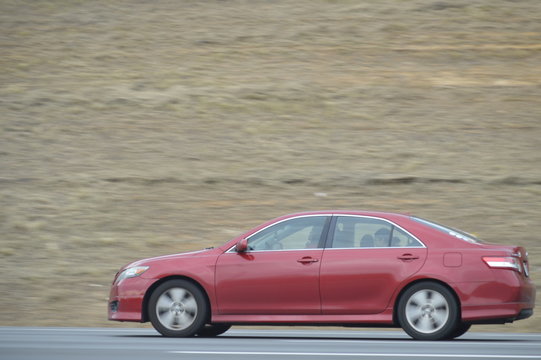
x: 379, y: 214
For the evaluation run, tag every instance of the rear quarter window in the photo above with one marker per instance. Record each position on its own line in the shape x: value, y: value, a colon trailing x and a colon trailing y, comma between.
x: 459, y: 234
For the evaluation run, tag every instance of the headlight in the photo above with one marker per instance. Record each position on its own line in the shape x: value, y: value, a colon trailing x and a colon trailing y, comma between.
x: 131, y: 272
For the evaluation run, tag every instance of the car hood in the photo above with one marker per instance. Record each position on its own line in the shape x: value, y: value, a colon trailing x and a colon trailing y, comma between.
x: 150, y: 261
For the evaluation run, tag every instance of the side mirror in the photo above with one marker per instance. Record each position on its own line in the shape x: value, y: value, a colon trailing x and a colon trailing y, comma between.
x: 242, y: 245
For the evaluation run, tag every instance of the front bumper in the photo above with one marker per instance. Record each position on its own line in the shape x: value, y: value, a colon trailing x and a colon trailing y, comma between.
x: 126, y: 299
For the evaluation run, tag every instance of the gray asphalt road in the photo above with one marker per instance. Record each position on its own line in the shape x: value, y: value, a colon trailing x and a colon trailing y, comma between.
x: 238, y: 343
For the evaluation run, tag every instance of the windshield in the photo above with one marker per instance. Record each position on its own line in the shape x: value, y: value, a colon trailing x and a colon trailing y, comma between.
x: 450, y: 231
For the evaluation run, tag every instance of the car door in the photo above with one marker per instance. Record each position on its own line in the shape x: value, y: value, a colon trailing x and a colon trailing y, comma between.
x: 278, y: 274
x: 366, y: 259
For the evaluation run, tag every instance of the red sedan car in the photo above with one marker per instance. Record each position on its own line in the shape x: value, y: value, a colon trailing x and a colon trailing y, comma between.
x: 345, y: 268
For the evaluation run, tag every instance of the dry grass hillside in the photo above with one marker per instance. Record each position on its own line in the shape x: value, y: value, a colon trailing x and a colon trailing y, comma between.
x: 138, y: 128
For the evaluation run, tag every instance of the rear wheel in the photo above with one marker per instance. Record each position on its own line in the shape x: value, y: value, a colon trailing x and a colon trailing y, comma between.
x: 177, y: 308
x: 428, y: 311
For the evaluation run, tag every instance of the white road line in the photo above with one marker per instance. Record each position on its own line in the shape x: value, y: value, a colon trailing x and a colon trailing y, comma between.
x: 470, y: 356
x: 73, y: 330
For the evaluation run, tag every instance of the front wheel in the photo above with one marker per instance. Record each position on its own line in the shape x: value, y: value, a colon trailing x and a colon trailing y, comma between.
x: 177, y: 308
x: 460, y: 330
x: 211, y: 330
x: 428, y: 311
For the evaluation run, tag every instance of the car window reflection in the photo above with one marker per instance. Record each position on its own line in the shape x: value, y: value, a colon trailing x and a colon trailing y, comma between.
x: 362, y: 232
x: 293, y: 234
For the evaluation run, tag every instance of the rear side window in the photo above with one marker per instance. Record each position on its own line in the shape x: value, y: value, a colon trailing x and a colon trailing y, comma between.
x: 401, y: 238
x: 365, y: 232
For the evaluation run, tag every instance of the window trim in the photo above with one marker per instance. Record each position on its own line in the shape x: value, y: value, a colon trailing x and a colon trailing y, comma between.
x: 330, y: 234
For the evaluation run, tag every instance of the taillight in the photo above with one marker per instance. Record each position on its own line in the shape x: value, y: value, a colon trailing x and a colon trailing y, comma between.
x: 526, y: 265
x: 503, y: 262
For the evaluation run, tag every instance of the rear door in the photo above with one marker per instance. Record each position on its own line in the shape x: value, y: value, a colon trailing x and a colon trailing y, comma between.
x: 364, y: 262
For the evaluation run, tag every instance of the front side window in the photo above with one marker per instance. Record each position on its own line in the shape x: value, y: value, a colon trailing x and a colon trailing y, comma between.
x: 364, y: 232
x: 292, y: 234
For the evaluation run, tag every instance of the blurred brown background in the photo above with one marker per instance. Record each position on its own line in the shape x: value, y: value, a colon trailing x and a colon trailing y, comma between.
x: 138, y: 128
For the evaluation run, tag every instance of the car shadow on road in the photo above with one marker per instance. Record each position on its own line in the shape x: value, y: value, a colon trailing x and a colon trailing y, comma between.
x: 315, y: 338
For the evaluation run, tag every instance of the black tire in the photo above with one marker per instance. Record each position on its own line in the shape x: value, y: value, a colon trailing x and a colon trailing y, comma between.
x: 460, y: 330
x: 428, y: 311
x: 211, y: 330
x: 178, y: 308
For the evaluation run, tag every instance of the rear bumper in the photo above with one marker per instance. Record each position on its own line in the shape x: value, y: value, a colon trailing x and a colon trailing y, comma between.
x: 510, y: 299
x: 524, y: 314
x: 496, y: 314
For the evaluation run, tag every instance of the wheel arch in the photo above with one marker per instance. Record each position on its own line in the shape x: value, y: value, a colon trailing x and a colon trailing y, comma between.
x: 427, y: 280
x: 150, y: 290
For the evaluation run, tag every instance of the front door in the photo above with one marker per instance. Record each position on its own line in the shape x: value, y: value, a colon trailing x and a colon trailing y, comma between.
x: 278, y: 274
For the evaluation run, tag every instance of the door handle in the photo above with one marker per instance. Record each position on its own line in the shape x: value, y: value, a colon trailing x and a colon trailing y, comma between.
x: 408, y: 257
x: 307, y: 260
